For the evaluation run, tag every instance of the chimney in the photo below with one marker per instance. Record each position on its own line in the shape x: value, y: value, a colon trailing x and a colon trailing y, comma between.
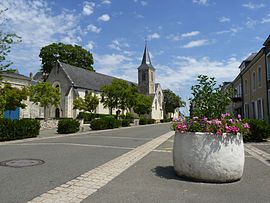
x: 31, y: 76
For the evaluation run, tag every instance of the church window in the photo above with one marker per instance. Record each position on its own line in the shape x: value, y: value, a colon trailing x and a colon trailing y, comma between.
x: 152, y: 76
x: 143, y: 76
x: 156, y: 104
x: 159, y: 98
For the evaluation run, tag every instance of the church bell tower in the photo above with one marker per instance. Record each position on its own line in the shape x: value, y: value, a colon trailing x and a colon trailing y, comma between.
x: 146, y: 74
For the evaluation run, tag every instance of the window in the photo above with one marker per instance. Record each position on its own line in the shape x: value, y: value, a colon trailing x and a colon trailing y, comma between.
x: 86, y: 93
x: 268, y: 102
x: 260, y: 109
x: 254, y: 81
x: 159, y: 98
x: 156, y: 104
x: 260, y: 76
x: 246, y: 86
x: 246, y: 111
x: 152, y: 76
x: 253, y: 110
x: 143, y: 76
x: 268, y: 66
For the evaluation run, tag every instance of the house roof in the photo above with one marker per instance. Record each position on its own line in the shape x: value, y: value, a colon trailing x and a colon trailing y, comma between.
x: 14, y: 75
x: 87, y: 79
x: 266, y: 41
x: 250, y: 57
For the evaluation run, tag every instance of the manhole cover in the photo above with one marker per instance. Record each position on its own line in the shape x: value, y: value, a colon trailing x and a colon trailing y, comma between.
x: 19, y: 163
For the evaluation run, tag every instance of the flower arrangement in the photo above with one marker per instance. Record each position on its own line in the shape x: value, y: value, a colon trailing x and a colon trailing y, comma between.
x: 225, y: 124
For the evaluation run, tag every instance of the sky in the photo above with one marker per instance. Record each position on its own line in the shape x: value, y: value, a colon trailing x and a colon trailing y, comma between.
x: 185, y: 38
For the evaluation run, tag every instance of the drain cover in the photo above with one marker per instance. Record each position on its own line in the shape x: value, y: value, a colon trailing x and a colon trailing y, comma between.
x: 19, y: 163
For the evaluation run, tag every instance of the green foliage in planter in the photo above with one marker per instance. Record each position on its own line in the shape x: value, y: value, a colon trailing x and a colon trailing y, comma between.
x: 125, y: 122
x: 66, y: 126
x: 209, y: 100
x: 18, y: 129
x: 259, y: 131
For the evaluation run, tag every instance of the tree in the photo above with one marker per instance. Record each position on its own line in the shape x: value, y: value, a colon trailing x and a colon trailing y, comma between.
x: 71, y: 54
x: 6, y: 40
x: 11, y: 98
x: 208, y: 100
x: 89, y: 103
x: 44, y: 95
x: 109, y: 97
x: 143, y: 105
x: 171, y: 101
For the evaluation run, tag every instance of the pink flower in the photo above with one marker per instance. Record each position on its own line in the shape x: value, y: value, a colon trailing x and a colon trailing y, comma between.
x: 239, y: 116
x: 228, y: 129
x: 219, y: 132
x: 246, y: 126
x: 231, y: 120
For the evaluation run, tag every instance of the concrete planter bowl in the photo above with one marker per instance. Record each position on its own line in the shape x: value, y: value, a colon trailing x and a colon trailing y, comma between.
x: 208, y: 157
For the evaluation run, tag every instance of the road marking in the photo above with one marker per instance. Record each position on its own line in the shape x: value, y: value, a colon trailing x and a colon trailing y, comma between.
x: 88, y: 183
x: 75, y: 144
x: 258, y: 154
x: 113, y: 137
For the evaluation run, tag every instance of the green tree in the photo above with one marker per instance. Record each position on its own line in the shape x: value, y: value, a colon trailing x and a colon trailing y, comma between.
x: 208, y: 99
x: 89, y: 103
x: 11, y: 98
x: 143, y: 104
x: 6, y: 40
x: 71, y: 54
x: 44, y: 95
x: 119, y: 94
x: 171, y: 101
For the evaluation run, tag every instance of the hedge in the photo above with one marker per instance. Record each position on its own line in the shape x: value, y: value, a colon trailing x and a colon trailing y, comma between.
x: 18, y: 129
x: 259, y: 131
x: 107, y: 122
x: 88, y: 117
x: 144, y: 121
x: 125, y: 122
x: 66, y: 126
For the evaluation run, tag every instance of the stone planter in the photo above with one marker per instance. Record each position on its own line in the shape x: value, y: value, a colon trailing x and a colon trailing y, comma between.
x: 209, y: 158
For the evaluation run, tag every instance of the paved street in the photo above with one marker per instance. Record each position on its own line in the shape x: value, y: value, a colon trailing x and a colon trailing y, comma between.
x: 123, y: 165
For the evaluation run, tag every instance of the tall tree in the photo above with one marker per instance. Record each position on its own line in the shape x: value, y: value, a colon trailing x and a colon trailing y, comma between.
x: 11, y: 98
x: 143, y: 104
x: 171, y: 101
x: 71, y: 54
x: 6, y: 40
x: 44, y: 95
x: 109, y: 97
x: 89, y: 103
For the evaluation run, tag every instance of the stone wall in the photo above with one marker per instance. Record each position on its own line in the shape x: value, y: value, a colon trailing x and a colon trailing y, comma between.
x: 49, y: 124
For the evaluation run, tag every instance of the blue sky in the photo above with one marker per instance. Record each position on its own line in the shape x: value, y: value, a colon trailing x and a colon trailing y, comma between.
x: 185, y: 37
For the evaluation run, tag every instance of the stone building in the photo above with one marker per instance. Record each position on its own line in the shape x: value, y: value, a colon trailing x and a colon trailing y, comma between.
x: 76, y: 82
x: 251, y: 87
x: 20, y: 81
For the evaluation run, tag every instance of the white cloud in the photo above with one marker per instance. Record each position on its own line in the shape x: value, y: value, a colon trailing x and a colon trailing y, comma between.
x: 106, y: 1
x: 190, y: 34
x: 104, y: 17
x: 266, y: 19
x: 90, y: 45
x: 232, y: 31
x: 153, y: 36
x: 144, y: 3
x: 93, y: 28
x: 224, y: 19
x: 253, y: 6
x: 202, y: 2
x: 118, y: 45
x: 196, y: 43
x: 88, y: 8
x: 251, y: 23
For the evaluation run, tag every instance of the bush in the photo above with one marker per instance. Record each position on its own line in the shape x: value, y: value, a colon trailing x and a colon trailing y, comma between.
x: 259, y: 131
x: 98, y: 124
x: 88, y: 117
x: 143, y: 121
x: 66, y: 126
x: 151, y: 121
x: 125, y: 122
x: 18, y: 129
x: 107, y: 122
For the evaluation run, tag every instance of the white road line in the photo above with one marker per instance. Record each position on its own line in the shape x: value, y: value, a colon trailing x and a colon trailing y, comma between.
x: 75, y: 144
x: 88, y: 183
x: 113, y: 137
x: 258, y: 154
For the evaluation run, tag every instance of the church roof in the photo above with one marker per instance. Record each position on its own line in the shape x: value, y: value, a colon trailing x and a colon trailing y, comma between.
x: 14, y: 75
x: 146, y: 61
x: 86, y: 79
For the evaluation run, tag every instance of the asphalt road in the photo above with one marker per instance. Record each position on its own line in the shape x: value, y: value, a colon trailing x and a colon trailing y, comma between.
x: 65, y: 159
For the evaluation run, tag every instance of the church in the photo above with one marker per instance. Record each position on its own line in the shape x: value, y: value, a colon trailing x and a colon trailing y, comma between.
x: 76, y: 82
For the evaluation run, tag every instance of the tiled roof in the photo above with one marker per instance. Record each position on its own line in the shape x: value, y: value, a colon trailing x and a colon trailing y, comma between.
x: 87, y: 79
x: 14, y: 75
